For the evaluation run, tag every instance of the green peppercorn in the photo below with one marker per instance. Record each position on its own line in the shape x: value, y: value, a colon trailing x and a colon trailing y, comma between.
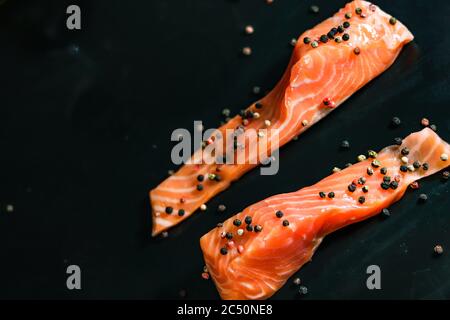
x: 376, y: 163
x: 372, y: 154
x: 348, y: 15
x: 358, y: 11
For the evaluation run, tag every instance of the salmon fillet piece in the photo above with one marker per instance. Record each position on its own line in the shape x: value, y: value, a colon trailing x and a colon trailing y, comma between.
x: 256, y: 264
x: 317, y: 80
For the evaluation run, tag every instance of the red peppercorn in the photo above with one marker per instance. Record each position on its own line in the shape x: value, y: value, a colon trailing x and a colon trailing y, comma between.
x: 425, y: 122
x: 414, y: 185
x: 205, y: 275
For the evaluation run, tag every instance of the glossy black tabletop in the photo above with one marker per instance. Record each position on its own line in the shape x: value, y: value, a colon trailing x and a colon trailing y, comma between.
x: 85, y: 124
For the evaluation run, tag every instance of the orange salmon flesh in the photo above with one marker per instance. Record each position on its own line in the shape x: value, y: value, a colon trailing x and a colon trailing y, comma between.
x: 317, y: 80
x: 257, y: 264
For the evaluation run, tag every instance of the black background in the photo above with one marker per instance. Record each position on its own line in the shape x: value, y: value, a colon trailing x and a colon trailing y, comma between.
x: 85, y: 124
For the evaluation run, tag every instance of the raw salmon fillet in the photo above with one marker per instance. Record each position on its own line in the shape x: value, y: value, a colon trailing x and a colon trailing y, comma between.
x: 256, y: 264
x: 317, y: 80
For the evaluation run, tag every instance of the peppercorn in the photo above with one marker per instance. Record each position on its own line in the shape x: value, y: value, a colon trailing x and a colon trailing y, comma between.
x: 433, y: 127
x: 385, y: 185
x: 385, y: 212
x: 314, y: 9
x: 323, y: 38
x: 372, y: 154
x: 351, y: 187
x: 393, y: 185
x: 200, y: 177
x: 361, y: 157
x: 414, y: 185
x: 423, y: 197
x: 340, y: 29
x: 348, y: 15
x: 362, y: 180
x: 425, y: 166
x: 229, y: 235
x: 403, y: 168
x: 285, y: 223
x: 181, y: 212
x: 249, y: 228
x: 387, y: 179
x: 199, y: 187
x: 392, y: 20
x: 314, y: 44
x: 361, y: 199
x: 445, y: 175
x: 396, y: 121
x: 237, y: 222
x: 405, y: 151
x: 279, y: 214
x: 223, y: 251
x: 383, y: 170
x: 346, y: 24
x: 302, y: 290
x: 398, y: 141
x: 346, y: 37
x: 169, y: 210
x: 322, y: 194
x: 369, y: 171
x: 365, y: 189
x: 330, y: 35
x: 338, y: 40
x: 258, y: 228
x: 331, y: 195
x: 375, y: 163
x: 306, y: 40
x: 358, y: 11
x: 258, y: 105
x: 438, y: 249
x: 248, y: 220
x: 444, y: 157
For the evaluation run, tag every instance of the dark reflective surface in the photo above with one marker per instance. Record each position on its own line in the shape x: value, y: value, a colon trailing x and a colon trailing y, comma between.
x: 85, y: 124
